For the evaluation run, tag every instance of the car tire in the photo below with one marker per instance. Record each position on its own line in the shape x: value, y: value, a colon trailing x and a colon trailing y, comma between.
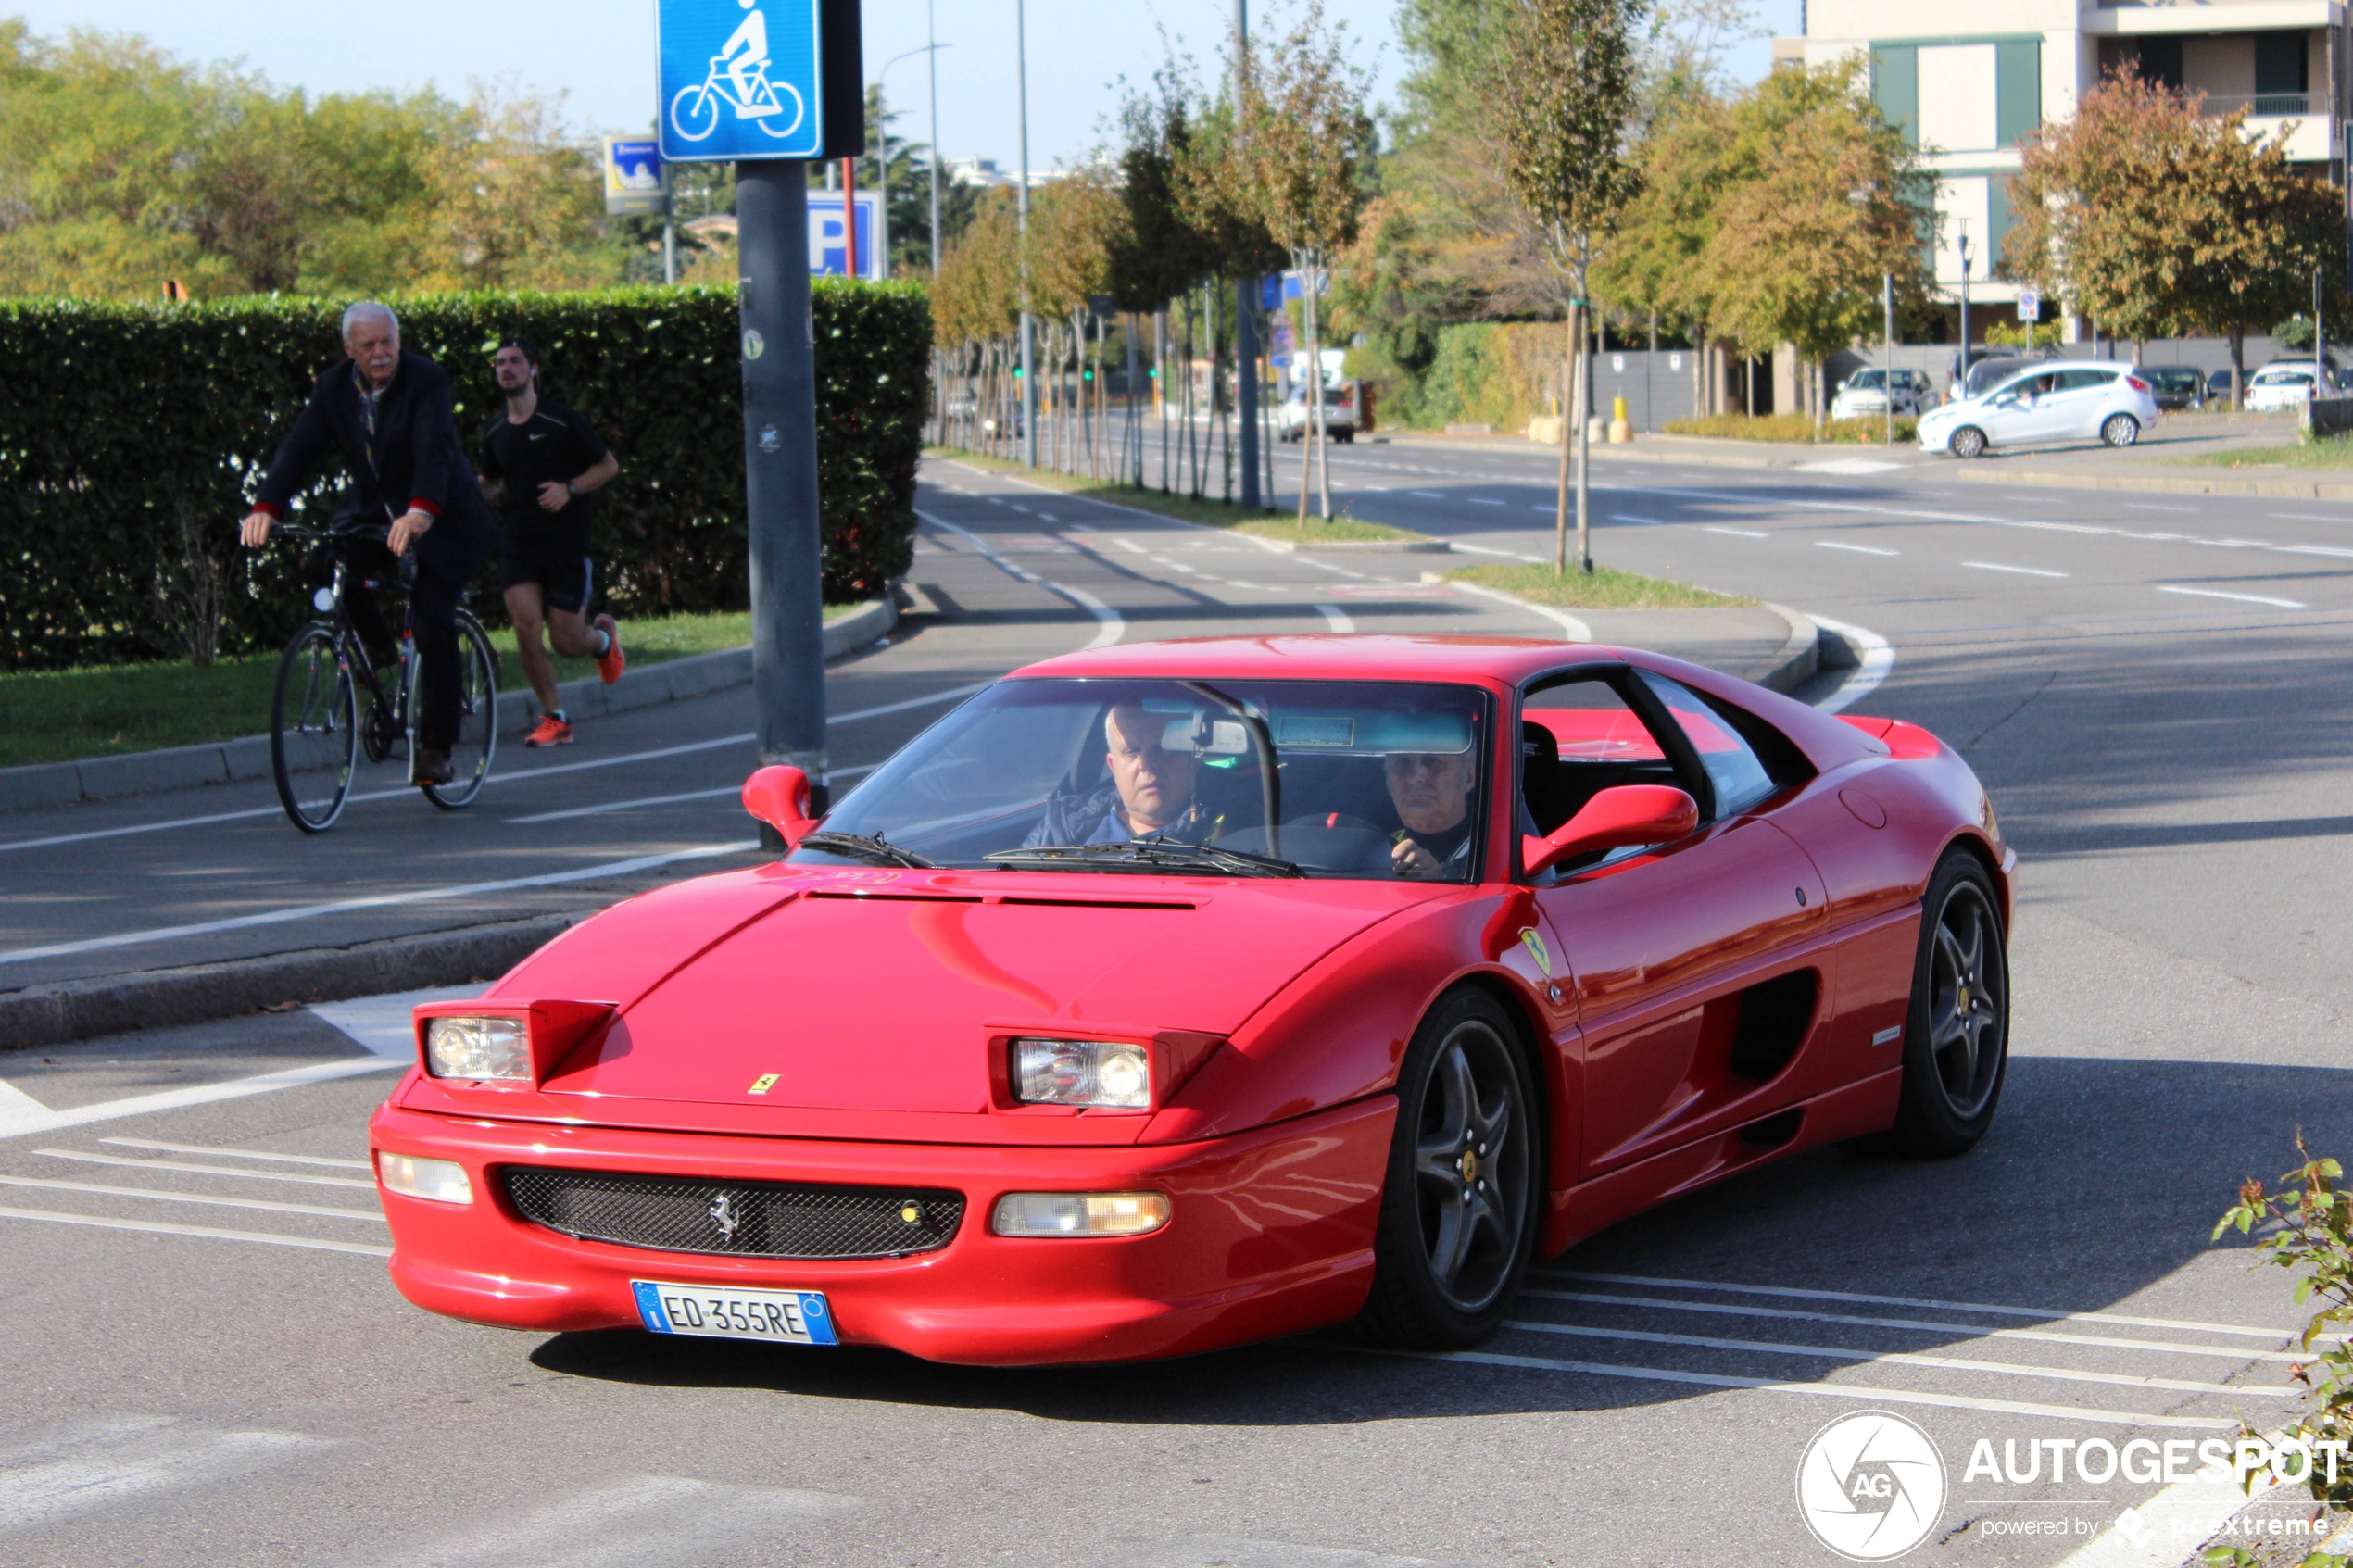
x: 1967, y: 442
x: 1462, y: 1200
x: 1956, y: 1033
x: 2120, y: 429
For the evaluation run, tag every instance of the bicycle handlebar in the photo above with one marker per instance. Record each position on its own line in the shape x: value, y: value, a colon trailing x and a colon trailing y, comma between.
x: 295, y: 530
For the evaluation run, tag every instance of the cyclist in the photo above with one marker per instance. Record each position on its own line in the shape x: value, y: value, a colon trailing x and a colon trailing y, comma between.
x: 542, y: 462
x: 389, y: 412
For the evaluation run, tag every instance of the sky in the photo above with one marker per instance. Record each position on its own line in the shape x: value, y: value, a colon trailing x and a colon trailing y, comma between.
x: 598, y: 53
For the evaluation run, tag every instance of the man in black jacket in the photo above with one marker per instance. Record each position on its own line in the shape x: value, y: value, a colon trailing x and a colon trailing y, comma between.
x: 390, y: 414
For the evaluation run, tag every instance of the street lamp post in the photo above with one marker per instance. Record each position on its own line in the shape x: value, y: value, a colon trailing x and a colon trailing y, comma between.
x: 931, y: 33
x: 1021, y: 224
x: 1245, y: 304
x: 882, y: 165
x: 1963, y: 242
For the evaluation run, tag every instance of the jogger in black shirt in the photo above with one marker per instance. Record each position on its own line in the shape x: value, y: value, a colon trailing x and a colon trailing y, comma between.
x: 541, y: 462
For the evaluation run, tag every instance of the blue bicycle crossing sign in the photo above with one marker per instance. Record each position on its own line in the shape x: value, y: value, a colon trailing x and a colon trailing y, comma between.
x: 740, y: 79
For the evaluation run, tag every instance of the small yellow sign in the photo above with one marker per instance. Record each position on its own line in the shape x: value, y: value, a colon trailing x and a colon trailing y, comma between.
x: 764, y: 1082
x: 1536, y: 949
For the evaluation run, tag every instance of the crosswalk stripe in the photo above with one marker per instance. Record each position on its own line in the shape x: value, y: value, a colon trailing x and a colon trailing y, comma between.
x: 162, y: 1227
x: 1852, y: 1392
x: 237, y: 1153
x: 92, y: 1157
x: 262, y: 1203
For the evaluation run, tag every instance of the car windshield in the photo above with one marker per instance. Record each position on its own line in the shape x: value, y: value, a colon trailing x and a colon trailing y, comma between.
x: 1369, y: 781
x: 2173, y: 381
x: 1863, y: 381
x: 1987, y: 372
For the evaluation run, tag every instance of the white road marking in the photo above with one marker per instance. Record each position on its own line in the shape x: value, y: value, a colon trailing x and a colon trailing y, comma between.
x: 1111, y: 625
x: 1905, y: 1358
x: 2151, y: 507
x: 631, y: 1520
x: 610, y: 806
x: 1878, y: 656
x: 2021, y: 571
x: 2306, y: 517
x: 2038, y: 1335
x: 212, y: 1233
x: 1337, y: 617
x: 600, y: 872
x: 92, y: 1157
x: 195, y: 1094
x: 1483, y: 501
x: 238, y: 1153
x: 2218, y: 594
x: 1854, y: 1393
x: 1574, y: 630
x: 99, y: 1462
x: 1735, y: 533
x: 103, y: 1190
x: 1629, y: 517
x: 2038, y: 1314
x: 1237, y: 1551
x: 521, y: 776
x: 1859, y: 549
x: 1427, y: 494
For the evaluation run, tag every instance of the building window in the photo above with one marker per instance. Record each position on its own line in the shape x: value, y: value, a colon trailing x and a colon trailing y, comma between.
x: 1896, y: 87
x: 2280, y: 68
x: 2018, y: 90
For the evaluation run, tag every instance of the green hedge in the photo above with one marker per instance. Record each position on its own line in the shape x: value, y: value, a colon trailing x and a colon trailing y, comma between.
x: 132, y: 438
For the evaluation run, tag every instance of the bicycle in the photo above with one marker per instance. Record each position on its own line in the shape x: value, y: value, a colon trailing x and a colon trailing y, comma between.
x: 700, y: 105
x: 315, y: 722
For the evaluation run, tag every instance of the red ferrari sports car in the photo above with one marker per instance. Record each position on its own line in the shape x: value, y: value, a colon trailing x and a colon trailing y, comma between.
x: 1171, y: 996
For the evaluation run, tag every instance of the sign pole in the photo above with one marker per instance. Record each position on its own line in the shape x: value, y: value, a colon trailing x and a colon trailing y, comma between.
x: 1246, y: 308
x: 780, y: 469
x: 849, y: 218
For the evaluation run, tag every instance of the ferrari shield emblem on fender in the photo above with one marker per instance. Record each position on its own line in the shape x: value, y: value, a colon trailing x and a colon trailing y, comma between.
x: 1537, y: 950
x: 764, y: 1082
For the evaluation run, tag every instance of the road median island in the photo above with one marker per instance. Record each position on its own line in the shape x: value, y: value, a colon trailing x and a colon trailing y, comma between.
x: 1772, y: 645
x: 1280, y: 529
x: 133, y: 700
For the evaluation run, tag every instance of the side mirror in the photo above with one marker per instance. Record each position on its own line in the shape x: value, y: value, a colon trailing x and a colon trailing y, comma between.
x: 779, y: 796
x: 1628, y: 815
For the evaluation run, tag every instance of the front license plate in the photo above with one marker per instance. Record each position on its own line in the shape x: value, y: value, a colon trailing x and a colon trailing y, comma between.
x: 793, y: 1317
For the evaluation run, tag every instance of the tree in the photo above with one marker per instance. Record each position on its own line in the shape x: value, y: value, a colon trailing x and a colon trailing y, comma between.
x: 1307, y: 147
x: 1566, y: 91
x: 1652, y: 261
x: 1822, y: 199
x: 2157, y: 218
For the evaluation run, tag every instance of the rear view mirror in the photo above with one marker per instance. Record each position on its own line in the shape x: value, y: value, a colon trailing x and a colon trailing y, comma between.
x: 779, y: 796
x: 1625, y: 817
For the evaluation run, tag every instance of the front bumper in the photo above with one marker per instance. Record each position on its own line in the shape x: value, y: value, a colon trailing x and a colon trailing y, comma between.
x: 1272, y: 1234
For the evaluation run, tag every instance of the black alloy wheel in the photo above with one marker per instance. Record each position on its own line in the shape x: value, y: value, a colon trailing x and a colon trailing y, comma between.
x: 1957, y: 1035
x: 1968, y: 442
x: 1462, y: 1205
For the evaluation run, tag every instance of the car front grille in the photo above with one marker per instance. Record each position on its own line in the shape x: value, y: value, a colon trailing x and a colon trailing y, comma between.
x: 735, y: 1219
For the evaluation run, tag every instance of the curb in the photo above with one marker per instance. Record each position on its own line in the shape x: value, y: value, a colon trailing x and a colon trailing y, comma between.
x: 1807, y: 652
x: 183, y: 767
x: 1356, y: 547
x: 78, y: 1010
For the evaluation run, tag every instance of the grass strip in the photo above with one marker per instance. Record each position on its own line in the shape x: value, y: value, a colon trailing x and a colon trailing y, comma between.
x: 2327, y: 452
x: 62, y: 715
x: 1602, y: 588
x: 1796, y: 430
x: 1265, y: 522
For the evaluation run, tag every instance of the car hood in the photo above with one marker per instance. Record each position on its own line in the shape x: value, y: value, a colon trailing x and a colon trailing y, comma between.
x: 877, y: 991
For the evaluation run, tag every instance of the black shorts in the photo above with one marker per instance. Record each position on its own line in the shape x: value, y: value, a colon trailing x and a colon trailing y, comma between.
x: 564, y: 574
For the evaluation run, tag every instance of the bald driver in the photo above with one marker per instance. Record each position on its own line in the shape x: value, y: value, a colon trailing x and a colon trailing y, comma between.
x: 1431, y: 791
x: 1151, y: 789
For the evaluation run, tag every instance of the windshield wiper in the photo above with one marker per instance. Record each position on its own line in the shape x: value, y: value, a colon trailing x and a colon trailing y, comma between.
x: 1154, y: 853
x: 867, y: 847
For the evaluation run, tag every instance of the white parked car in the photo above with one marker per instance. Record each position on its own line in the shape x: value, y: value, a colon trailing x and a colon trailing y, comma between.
x: 2281, y: 386
x: 2045, y: 402
x: 1865, y: 393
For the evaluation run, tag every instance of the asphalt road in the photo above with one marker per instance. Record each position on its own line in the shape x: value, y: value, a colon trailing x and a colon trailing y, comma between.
x: 247, y: 1388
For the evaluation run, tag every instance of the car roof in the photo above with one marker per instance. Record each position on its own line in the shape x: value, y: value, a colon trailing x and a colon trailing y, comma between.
x: 1483, y: 660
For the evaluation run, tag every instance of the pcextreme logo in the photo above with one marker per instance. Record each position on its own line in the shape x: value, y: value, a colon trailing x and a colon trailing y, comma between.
x: 1870, y: 1485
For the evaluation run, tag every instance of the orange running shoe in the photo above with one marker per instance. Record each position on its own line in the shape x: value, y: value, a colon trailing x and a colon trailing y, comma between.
x: 610, y: 663
x: 552, y: 731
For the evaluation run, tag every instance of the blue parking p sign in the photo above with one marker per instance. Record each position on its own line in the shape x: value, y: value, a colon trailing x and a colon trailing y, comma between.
x: 740, y: 79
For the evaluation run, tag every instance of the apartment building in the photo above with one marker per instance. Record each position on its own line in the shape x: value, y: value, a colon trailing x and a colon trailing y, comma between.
x: 1967, y: 80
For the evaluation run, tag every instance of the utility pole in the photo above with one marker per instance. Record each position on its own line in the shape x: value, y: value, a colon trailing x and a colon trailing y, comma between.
x: 931, y: 41
x: 1964, y: 312
x: 1245, y: 301
x: 1021, y: 224
x: 1887, y: 362
x: 780, y: 469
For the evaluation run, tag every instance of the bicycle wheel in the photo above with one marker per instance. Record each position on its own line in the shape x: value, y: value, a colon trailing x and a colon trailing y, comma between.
x: 314, y: 728
x: 477, y: 739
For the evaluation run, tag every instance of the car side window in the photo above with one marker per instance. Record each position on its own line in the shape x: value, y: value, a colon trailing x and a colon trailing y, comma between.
x: 1737, y: 776
x: 1578, y: 736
